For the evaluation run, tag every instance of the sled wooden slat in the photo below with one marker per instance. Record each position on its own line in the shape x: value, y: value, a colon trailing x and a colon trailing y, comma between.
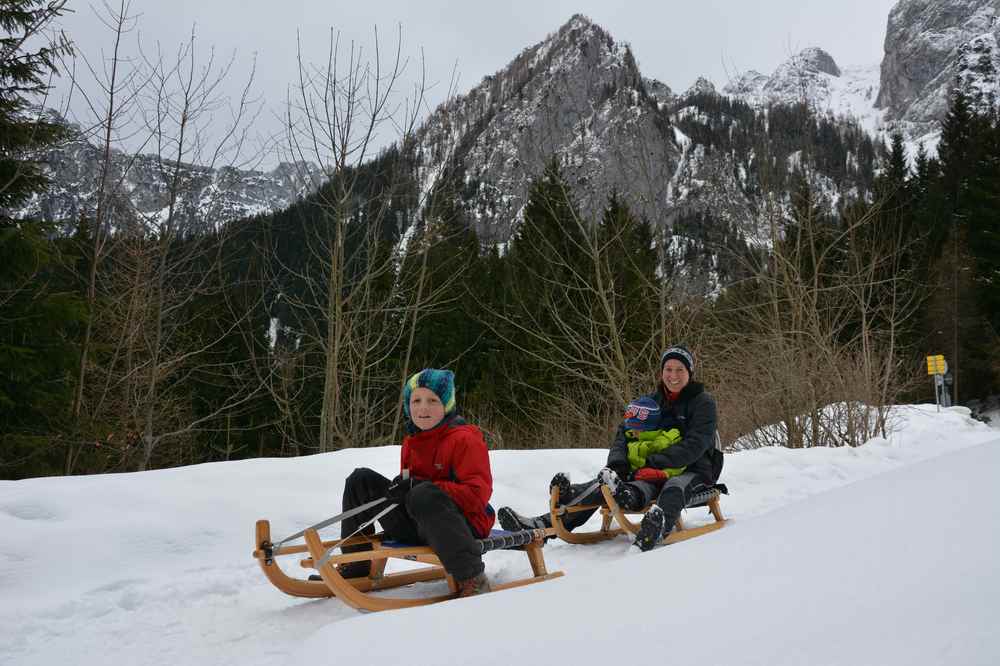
x: 556, y: 512
x: 315, y: 589
x: 374, y: 555
x: 351, y: 595
x: 294, y: 586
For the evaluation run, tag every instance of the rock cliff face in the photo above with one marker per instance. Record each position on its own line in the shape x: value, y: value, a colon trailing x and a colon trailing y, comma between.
x: 928, y: 44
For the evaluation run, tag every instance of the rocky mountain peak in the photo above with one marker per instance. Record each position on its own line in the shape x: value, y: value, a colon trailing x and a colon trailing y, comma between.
x: 817, y: 60
x: 804, y: 70
x: 578, y: 97
x: 579, y: 22
x: 747, y: 84
x: 659, y: 90
x: 701, y: 86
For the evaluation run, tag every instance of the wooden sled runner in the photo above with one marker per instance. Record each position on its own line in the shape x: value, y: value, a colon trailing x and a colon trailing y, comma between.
x: 612, y: 511
x: 356, y: 592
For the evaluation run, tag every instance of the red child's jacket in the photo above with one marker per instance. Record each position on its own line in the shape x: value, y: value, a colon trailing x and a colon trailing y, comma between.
x: 454, y: 456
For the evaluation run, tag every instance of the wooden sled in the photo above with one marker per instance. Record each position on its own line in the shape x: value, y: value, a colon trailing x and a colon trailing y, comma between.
x: 613, y: 512
x: 356, y: 592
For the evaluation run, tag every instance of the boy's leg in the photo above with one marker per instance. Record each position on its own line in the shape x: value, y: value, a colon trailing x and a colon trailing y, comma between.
x: 362, y: 486
x: 568, y: 492
x: 512, y: 521
x: 444, y: 527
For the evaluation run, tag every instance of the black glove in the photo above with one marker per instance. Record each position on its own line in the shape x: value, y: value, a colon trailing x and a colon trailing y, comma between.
x: 619, y: 467
x: 400, y: 488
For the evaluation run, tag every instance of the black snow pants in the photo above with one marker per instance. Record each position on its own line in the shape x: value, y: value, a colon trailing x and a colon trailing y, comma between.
x: 430, y: 517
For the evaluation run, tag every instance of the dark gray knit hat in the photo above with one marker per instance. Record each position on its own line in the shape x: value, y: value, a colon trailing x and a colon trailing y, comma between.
x: 682, y: 354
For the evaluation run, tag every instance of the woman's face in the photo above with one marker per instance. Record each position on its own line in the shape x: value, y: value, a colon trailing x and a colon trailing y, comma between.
x: 426, y: 410
x: 675, y: 375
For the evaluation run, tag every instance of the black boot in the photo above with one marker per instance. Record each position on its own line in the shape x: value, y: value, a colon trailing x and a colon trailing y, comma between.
x: 650, y: 529
x: 512, y: 521
x: 628, y: 497
x: 561, y: 481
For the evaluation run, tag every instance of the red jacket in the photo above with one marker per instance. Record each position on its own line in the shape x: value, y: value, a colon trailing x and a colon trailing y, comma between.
x: 454, y: 456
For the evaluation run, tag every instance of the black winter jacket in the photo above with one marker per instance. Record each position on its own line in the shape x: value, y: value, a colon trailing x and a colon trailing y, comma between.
x: 694, y: 414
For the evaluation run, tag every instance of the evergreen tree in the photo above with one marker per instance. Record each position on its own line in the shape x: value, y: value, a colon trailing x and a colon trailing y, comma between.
x: 630, y: 260
x: 24, y: 73
x: 39, y: 311
x: 896, y: 171
x: 956, y: 214
x: 441, y: 261
x: 983, y: 222
x: 957, y: 149
x: 548, y: 273
x: 39, y: 319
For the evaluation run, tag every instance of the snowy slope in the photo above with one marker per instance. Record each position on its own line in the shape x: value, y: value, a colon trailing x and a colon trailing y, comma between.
x: 877, y: 555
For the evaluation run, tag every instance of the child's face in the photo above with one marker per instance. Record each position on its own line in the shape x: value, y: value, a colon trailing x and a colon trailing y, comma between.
x: 426, y: 410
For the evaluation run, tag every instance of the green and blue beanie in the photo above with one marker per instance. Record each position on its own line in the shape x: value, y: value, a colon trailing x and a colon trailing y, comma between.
x: 442, y: 382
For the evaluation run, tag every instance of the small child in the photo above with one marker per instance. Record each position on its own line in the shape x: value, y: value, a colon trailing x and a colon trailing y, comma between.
x: 644, y: 437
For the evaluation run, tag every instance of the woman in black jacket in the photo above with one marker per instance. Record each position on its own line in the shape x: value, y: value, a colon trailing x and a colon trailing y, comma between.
x: 683, y: 404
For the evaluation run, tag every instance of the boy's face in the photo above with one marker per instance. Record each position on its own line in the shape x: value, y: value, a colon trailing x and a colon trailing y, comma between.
x: 426, y: 410
x: 675, y: 375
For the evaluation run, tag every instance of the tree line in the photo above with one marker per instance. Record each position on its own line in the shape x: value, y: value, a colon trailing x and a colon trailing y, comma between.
x: 141, y: 342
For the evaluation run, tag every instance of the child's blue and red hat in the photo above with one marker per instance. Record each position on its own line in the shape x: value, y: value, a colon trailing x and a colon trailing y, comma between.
x: 642, y: 414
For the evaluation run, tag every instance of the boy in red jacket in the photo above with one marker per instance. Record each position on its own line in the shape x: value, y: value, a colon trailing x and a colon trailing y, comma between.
x: 443, y: 500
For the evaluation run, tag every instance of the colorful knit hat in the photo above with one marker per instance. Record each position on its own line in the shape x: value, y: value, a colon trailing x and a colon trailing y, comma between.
x: 642, y: 414
x: 442, y: 382
x: 682, y: 354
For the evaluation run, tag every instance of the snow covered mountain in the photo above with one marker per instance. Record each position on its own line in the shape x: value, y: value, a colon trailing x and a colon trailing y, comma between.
x: 931, y: 46
x: 139, y: 187
x: 691, y: 163
x: 813, y: 77
x: 682, y: 162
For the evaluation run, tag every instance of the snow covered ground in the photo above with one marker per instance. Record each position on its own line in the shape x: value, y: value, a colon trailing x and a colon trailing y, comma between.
x: 885, y: 554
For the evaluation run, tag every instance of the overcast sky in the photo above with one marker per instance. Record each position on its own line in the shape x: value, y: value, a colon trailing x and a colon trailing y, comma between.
x: 673, y: 41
